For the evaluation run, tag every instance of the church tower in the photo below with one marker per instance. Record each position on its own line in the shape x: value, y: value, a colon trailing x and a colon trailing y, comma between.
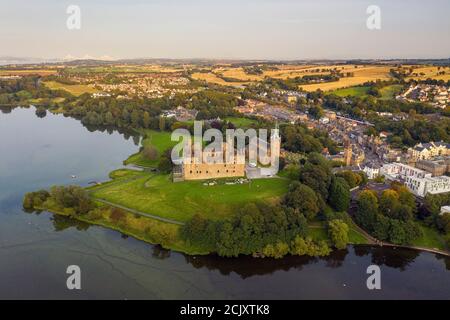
x: 348, y: 152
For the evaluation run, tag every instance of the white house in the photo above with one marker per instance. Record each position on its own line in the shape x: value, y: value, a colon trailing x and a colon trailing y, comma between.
x: 371, y: 171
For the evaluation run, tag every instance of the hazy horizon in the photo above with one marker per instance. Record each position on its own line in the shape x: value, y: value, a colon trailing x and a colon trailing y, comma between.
x: 234, y: 30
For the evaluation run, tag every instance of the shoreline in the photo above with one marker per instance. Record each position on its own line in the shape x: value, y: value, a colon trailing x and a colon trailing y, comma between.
x: 180, y: 250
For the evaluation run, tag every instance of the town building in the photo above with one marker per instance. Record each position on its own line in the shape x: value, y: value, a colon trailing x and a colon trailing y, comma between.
x: 425, y: 151
x: 438, y: 167
x: 180, y: 114
x: 418, y: 181
x: 371, y: 170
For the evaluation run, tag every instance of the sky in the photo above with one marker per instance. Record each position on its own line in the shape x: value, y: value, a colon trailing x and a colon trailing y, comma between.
x: 225, y: 29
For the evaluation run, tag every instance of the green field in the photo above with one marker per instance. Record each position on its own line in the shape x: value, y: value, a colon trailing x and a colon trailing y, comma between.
x: 389, y: 92
x: 352, y: 91
x: 241, y: 122
x: 156, y: 194
x: 75, y: 89
x: 158, y: 139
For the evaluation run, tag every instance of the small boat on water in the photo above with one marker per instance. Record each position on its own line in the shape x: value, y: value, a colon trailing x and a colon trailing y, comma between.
x: 73, y: 176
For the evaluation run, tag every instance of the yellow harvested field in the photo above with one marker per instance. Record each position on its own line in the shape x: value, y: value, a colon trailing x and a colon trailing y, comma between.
x: 75, y: 89
x: 212, y: 78
x: 361, y: 74
x: 425, y: 72
x: 238, y: 73
x: 283, y: 72
x: 25, y: 72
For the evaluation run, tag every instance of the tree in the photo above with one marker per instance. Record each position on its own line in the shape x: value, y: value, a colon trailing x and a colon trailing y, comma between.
x: 316, y: 173
x: 73, y: 197
x: 353, y: 179
x: 135, y: 119
x: 162, y: 123
x: 109, y: 119
x: 338, y: 231
x: 165, y: 161
x: 389, y: 202
x: 367, y: 211
x: 316, y: 112
x: 339, y: 194
x: 146, y: 120
x: 278, y: 251
x: 405, y: 197
x: 302, y: 198
x: 403, y: 212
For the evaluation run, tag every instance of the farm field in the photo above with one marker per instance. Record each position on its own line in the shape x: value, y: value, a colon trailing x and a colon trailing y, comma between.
x: 212, y: 78
x: 152, y: 68
x: 425, y: 72
x: 156, y: 194
x: 387, y: 92
x: 26, y: 72
x: 362, y: 74
x: 75, y: 89
x: 353, y: 92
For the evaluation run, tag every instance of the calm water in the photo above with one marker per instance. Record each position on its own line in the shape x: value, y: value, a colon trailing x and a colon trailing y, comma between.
x: 35, y: 250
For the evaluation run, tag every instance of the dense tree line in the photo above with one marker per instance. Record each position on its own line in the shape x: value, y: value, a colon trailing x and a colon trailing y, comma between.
x: 139, y: 113
x: 294, y: 83
x: 389, y: 216
x: 16, y: 91
x: 298, y: 138
x: 70, y: 199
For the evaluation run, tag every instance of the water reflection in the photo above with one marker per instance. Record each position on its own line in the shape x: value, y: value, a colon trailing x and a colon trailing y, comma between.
x: 61, y: 223
x: 246, y: 266
x: 398, y: 258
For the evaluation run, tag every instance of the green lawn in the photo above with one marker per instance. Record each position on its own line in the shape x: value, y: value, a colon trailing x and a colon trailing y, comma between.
x: 124, y: 173
x: 158, y: 195
x: 430, y: 239
x: 158, y: 139
x: 241, y: 122
x: 352, y: 91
